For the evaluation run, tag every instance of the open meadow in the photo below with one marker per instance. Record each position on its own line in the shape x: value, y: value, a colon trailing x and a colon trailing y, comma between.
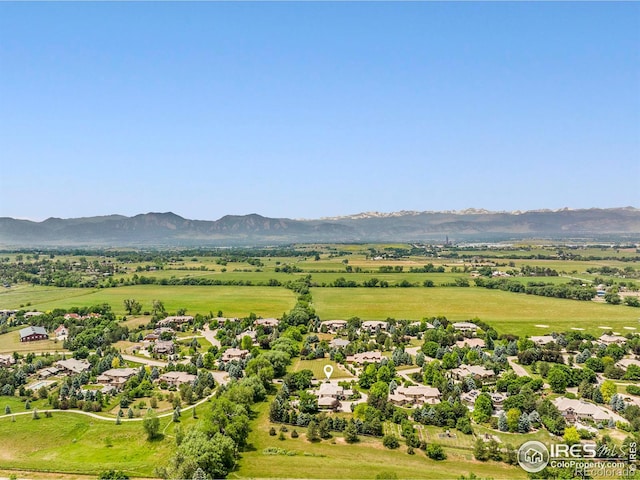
x: 233, y: 301
x: 82, y: 445
x: 508, y: 312
x: 334, y: 458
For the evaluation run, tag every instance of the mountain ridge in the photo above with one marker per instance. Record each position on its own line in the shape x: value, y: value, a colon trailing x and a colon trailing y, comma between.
x: 168, y: 228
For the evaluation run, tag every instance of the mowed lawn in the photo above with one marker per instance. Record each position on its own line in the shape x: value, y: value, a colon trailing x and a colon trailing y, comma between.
x: 334, y: 458
x: 233, y: 301
x: 507, y: 312
x: 317, y: 367
x: 73, y: 443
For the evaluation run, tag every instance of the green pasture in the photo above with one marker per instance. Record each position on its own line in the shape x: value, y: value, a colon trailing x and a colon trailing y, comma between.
x: 26, y: 296
x: 233, y: 301
x: 82, y: 445
x: 508, y: 312
x: 334, y: 458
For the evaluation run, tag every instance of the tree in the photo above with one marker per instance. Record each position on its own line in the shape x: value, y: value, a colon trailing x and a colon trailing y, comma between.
x: 157, y: 308
x: 608, y: 390
x: 312, y: 432
x: 480, y: 451
x: 571, y: 436
x: 436, y: 452
x: 493, y: 450
x: 513, y: 419
x: 151, y: 424
x: 378, y: 395
x: 351, y: 432
x: 557, y: 380
x: 132, y: 306
x: 523, y: 424
x: 502, y: 423
x: 482, y: 408
x: 215, y: 456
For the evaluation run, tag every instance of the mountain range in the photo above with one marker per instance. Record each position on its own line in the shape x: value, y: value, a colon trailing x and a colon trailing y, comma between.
x: 169, y: 229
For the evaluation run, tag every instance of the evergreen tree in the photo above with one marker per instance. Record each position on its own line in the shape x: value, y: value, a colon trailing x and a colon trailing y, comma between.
x: 523, y: 424
x: 351, y: 432
x: 502, y: 423
x: 312, y: 432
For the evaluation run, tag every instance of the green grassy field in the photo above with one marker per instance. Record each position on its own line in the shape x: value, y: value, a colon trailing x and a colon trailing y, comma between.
x: 334, y: 458
x: 10, y: 342
x: 317, y: 367
x: 508, y: 312
x: 233, y: 301
x: 82, y: 445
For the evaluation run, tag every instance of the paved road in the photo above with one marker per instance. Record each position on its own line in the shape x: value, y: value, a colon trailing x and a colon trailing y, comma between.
x: 521, y: 372
x: 210, y: 335
x: 405, y: 373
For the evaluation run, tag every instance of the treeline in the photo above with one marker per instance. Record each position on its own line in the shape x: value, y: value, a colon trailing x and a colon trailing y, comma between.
x: 574, y: 292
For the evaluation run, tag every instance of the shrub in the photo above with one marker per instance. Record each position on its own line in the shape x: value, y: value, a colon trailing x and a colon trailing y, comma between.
x: 390, y: 441
x: 436, y: 452
x: 294, y: 434
x: 272, y: 432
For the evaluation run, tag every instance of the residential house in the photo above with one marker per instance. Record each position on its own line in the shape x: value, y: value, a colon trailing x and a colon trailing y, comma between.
x: 33, y: 314
x: 163, y: 347
x: 7, y: 360
x: 542, y: 339
x: 465, y: 327
x: 606, y: 339
x: 477, y: 372
x: 627, y: 362
x: 234, y: 354
x: 267, y: 322
x: 365, y: 357
x: 497, y: 398
x: 73, y: 366
x: 175, y: 379
x: 222, y: 320
x: 372, y: 326
x: 116, y: 377
x: 333, y: 326
x: 30, y: 334
x: 573, y: 410
x: 61, y: 332
x: 175, y: 320
x: 339, y: 343
x: 72, y: 316
x: 48, y: 372
x: 415, y: 395
x: 252, y: 334
x: 330, y: 394
x: 471, y: 342
x: 419, y: 324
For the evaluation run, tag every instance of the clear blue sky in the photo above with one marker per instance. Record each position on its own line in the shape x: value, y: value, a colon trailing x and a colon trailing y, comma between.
x: 305, y: 110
